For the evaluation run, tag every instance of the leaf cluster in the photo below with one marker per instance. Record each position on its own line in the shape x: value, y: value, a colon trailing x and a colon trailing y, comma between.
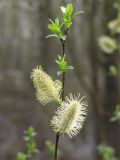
x: 29, y: 138
x: 107, y: 153
x: 116, y: 114
x: 63, y: 65
x: 58, y: 29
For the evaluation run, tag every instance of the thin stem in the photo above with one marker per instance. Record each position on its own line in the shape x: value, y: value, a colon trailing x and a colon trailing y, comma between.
x: 62, y: 95
x: 56, y: 145
x: 63, y: 85
x: 63, y: 47
x: 63, y: 75
x: 118, y: 67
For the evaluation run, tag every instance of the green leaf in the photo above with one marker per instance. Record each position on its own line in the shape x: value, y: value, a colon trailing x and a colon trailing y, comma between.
x: 31, y: 131
x: 26, y: 138
x: 107, y: 152
x: 70, y: 67
x: 116, y: 114
x: 62, y: 63
x: 52, y: 35
x: 69, y: 9
x: 77, y: 13
x: 67, y: 15
x: 57, y: 22
x: 113, y: 71
x: 68, y: 23
x: 54, y: 28
x: 31, y: 148
x: 21, y: 156
x: 29, y: 138
x: 51, y: 147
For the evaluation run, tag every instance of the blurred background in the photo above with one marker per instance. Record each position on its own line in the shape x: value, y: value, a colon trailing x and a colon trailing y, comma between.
x: 23, y: 46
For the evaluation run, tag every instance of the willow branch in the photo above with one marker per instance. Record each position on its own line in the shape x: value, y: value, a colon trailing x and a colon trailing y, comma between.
x: 62, y: 95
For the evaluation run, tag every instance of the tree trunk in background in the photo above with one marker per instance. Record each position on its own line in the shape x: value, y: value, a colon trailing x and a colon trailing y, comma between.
x: 106, y: 131
x: 112, y: 98
x: 95, y: 66
x: 44, y: 12
x: 97, y: 15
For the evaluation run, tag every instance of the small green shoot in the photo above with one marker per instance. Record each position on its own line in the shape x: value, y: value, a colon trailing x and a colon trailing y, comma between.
x: 29, y: 138
x: 55, y: 28
x: 116, y: 114
x: 107, y: 153
x: 62, y: 64
x: 68, y: 15
x: 21, y: 156
x: 58, y: 29
x: 113, y: 70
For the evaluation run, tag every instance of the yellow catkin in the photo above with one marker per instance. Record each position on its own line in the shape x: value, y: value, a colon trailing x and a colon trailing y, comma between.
x: 107, y: 44
x: 70, y: 116
x: 47, y: 90
x: 114, y: 26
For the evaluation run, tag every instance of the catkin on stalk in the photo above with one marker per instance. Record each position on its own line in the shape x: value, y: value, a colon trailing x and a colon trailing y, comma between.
x: 47, y: 90
x: 70, y: 116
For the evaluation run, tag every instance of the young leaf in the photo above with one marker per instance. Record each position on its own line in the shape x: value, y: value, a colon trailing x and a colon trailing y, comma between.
x: 62, y: 63
x: 116, y: 114
x: 52, y: 35
x: 69, y: 9
x: 21, y: 156
x: 113, y: 70
x: 77, y: 13
x: 70, y: 67
x: 107, y: 152
x: 57, y: 22
x: 54, y: 28
x: 68, y: 23
x: 29, y: 136
x: 63, y: 9
x: 63, y: 66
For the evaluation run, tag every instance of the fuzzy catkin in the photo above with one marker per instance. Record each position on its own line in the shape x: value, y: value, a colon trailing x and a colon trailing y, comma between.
x: 114, y: 26
x: 107, y: 44
x: 70, y: 116
x: 47, y: 90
